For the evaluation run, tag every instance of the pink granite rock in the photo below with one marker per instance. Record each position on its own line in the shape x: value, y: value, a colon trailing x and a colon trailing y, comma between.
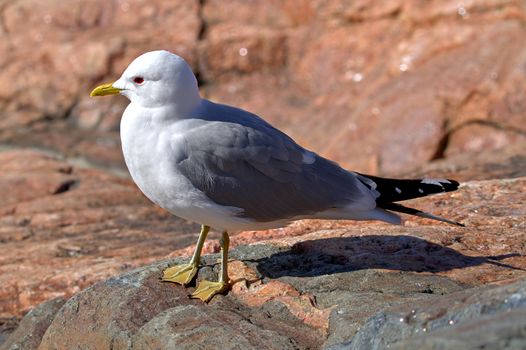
x: 347, y: 79
x: 63, y: 227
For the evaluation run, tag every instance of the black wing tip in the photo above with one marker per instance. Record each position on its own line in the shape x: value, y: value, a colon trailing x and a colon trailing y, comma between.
x: 452, y: 185
x: 454, y: 182
x: 439, y: 185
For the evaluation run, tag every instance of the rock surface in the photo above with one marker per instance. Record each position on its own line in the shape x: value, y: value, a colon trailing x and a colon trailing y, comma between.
x: 63, y: 227
x: 371, y: 72
x: 478, y: 318
x: 509, y: 162
x: 29, y: 333
x: 148, y: 314
x: 324, y: 288
x: 349, y: 79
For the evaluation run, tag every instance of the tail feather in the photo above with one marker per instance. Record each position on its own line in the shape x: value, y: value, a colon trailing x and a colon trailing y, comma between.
x: 390, y: 191
x: 411, y: 211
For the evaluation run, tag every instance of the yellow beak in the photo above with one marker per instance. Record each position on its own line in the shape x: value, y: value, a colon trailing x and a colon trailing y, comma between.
x: 105, y: 89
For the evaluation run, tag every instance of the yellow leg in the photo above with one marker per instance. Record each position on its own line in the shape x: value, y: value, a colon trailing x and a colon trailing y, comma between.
x: 185, y: 273
x: 207, y: 289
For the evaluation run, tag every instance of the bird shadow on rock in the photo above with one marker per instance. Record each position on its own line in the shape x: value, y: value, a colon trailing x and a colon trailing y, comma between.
x: 402, y: 253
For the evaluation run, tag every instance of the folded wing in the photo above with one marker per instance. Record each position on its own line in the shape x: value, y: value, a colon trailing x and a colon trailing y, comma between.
x: 264, y: 172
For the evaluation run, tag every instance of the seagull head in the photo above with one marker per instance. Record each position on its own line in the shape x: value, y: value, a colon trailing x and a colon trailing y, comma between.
x: 155, y: 79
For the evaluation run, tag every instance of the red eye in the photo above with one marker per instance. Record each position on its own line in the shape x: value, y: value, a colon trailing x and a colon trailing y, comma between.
x: 138, y: 80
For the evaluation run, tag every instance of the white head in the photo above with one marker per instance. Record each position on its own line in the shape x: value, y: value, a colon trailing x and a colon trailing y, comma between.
x: 154, y: 79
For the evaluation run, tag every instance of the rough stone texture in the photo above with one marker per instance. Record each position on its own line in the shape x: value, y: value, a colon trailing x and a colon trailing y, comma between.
x: 509, y: 162
x: 29, y: 333
x: 148, y: 314
x: 52, y: 54
x: 489, y: 318
x: 63, y: 227
x: 371, y: 72
x: 68, y: 227
x: 318, y: 287
x: 75, y: 43
x: 374, y: 71
x: 338, y: 265
x: 382, y: 87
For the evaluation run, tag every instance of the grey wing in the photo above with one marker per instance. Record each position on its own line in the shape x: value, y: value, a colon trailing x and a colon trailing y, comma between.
x: 263, y: 172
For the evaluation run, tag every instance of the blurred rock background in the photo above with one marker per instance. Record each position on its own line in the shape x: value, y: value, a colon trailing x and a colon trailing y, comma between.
x: 398, y: 87
x: 349, y: 79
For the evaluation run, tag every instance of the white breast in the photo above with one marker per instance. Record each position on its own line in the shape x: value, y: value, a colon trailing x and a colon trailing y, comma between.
x: 150, y: 159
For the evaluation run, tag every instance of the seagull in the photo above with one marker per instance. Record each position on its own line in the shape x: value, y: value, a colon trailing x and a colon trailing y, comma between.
x: 226, y: 168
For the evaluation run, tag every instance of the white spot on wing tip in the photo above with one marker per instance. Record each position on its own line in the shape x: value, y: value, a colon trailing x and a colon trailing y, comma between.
x: 420, y: 190
x: 398, y: 190
x: 436, y: 182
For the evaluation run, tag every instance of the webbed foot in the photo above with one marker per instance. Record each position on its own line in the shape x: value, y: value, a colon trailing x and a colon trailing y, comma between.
x: 207, y: 289
x: 182, y: 274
